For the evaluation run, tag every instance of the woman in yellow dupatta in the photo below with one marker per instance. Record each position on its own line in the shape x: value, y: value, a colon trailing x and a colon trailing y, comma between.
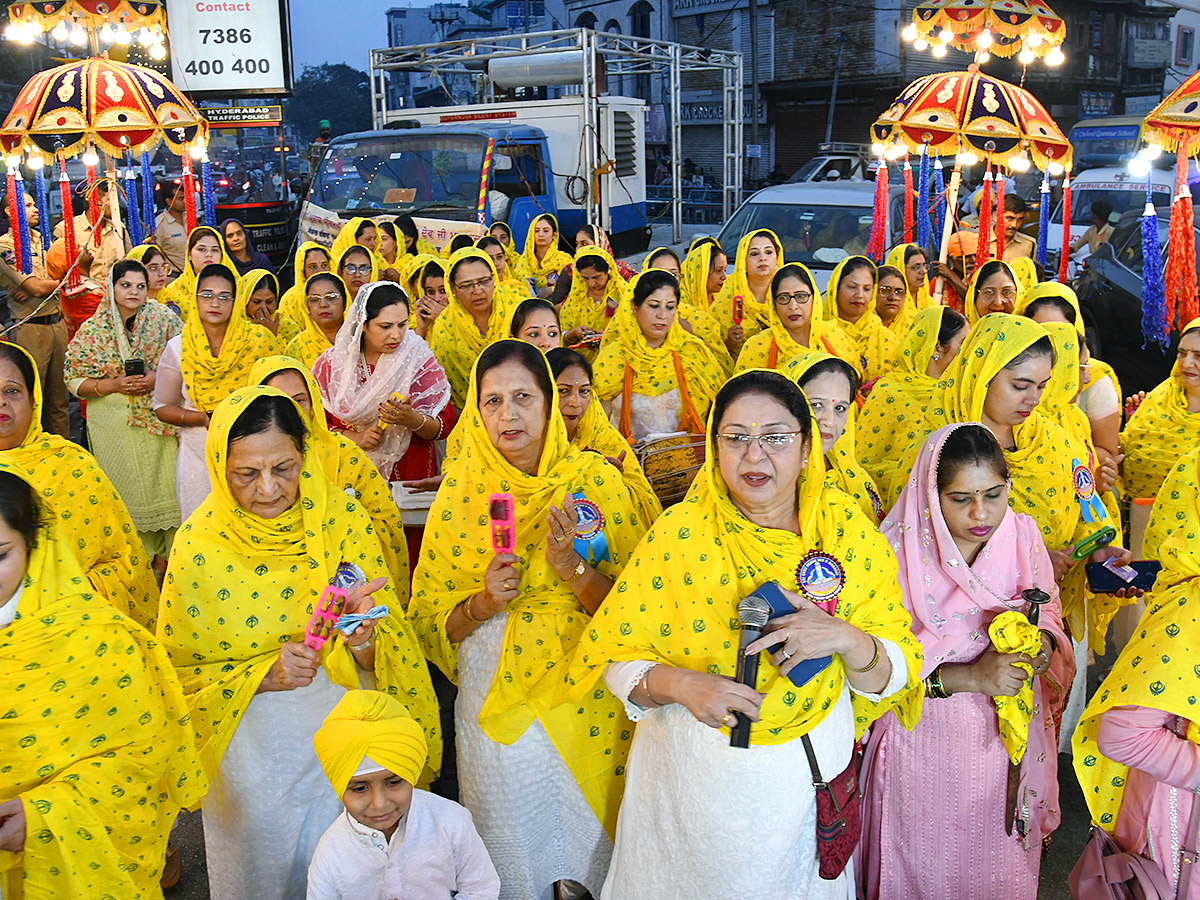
x: 155, y: 263
x: 343, y: 462
x: 1134, y: 749
x: 325, y: 301
x: 98, y: 754
x: 1167, y: 423
x: 597, y: 289
x: 205, y: 247
x: 310, y: 259
x: 694, y: 318
x: 830, y: 384
x: 513, y: 289
x: 1171, y: 506
x: 358, y: 231
x: 356, y: 265
x: 895, y: 408
x: 993, y: 288
x: 504, y: 625
x: 589, y: 429
x: 541, y: 261
x: 261, y: 290
x: 245, y: 575
x: 850, y: 300
x: 77, y: 492
x: 798, y: 325
x: 910, y: 259
x: 652, y: 375
x: 759, y: 254
x: 474, y: 318
x: 666, y: 643
x: 702, y: 275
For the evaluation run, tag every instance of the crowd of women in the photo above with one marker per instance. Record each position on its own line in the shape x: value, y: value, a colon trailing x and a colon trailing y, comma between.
x: 906, y: 495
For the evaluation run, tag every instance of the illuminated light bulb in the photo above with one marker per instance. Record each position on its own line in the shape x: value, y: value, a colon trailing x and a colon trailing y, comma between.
x: 78, y: 35
x: 920, y: 44
x: 1055, y: 57
x: 945, y: 35
x: 1139, y: 166
x: 893, y: 152
x: 122, y: 36
x: 35, y: 161
x: 939, y: 50
x: 1019, y: 163
x: 966, y: 158
x: 1153, y: 151
x: 1034, y: 40
x: 158, y: 51
x: 90, y: 157
x: 11, y: 31
x: 982, y: 56
x: 910, y: 32
x: 1026, y: 56
x: 984, y: 40
x: 196, y: 151
x: 60, y: 32
x: 107, y: 34
x: 146, y: 37
x: 878, y: 149
x: 13, y: 161
x: 1057, y: 168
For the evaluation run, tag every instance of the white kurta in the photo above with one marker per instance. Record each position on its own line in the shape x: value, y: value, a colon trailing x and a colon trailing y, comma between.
x: 270, y: 802
x: 649, y: 415
x: 703, y: 819
x: 435, y: 853
x: 191, y: 468
x: 531, y: 813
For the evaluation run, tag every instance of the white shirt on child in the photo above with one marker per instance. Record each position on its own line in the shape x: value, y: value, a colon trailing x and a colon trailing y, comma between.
x: 435, y: 854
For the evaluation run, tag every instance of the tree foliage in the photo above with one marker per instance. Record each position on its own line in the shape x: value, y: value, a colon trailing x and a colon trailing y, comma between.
x: 337, y: 92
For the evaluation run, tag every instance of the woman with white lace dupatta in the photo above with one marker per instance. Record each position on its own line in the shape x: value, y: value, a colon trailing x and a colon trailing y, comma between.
x: 382, y: 387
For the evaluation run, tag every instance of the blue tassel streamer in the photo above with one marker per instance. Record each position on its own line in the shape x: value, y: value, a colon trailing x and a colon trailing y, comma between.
x: 147, y: 193
x: 131, y: 202
x: 210, y: 197
x: 1154, y: 294
x: 924, y: 226
x: 939, y: 207
x: 43, y: 206
x: 23, y: 227
x: 1044, y: 223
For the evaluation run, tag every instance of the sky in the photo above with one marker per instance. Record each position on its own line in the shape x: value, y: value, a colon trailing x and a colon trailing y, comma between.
x: 349, y: 40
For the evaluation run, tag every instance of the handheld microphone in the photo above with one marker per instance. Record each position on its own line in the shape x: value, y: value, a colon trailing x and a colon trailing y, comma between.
x: 753, y: 612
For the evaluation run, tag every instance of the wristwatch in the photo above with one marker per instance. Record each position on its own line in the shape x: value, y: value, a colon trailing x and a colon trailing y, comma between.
x: 579, y: 570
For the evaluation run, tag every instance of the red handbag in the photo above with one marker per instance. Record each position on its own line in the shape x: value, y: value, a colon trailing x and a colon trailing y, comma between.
x: 839, y: 814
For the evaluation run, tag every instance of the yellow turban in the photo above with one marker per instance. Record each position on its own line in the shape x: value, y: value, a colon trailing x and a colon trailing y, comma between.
x: 369, y: 724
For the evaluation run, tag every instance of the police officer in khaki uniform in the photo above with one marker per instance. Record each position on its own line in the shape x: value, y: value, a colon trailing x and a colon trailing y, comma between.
x: 1016, y: 244
x: 33, y: 302
x: 170, y: 228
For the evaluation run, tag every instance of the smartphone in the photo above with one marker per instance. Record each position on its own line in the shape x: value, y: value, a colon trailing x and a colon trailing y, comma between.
x: 1102, y: 580
x: 807, y: 669
x: 135, y: 367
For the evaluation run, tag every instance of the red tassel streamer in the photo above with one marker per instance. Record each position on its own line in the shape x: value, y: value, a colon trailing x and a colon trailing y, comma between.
x: 1181, y: 248
x: 1065, y: 256
x: 878, y: 241
x: 999, y: 214
x: 984, y: 253
x: 64, y: 184
x: 189, y: 192
x: 908, y: 201
x: 93, y: 199
x: 13, y: 213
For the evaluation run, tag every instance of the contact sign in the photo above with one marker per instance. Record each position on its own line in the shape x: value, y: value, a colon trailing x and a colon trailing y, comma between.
x: 230, y: 48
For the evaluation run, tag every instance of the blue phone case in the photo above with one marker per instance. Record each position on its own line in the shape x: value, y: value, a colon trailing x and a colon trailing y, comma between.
x: 807, y: 669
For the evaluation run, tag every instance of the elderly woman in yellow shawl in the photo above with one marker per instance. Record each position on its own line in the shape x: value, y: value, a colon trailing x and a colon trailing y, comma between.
x: 1135, y: 751
x: 1100, y: 398
x: 246, y: 573
x: 850, y: 300
x: 830, y: 385
x: 77, y: 492
x: 932, y: 343
x: 325, y: 298
x: 797, y: 325
x: 666, y: 643
x: 654, y: 377
x: 993, y: 288
x: 98, y: 754
x: 597, y: 289
x: 310, y: 259
x: 474, y: 318
x: 1167, y: 423
x: 200, y: 368
x: 542, y: 260
x: 743, y: 303
x: 503, y: 624
x: 205, y: 247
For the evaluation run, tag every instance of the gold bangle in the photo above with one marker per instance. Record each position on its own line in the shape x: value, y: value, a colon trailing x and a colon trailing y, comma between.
x: 874, y: 659
x: 466, y: 608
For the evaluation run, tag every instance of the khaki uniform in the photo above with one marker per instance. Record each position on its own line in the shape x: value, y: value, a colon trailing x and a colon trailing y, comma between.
x: 44, y: 335
x: 114, y: 245
x: 170, y: 236
x: 1020, y: 245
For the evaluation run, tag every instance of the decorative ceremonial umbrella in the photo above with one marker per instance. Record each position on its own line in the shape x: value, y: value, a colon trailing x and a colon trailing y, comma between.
x: 969, y: 115
x: 107, y: 20
x: 1029, y: 28
x: 1177, y: 118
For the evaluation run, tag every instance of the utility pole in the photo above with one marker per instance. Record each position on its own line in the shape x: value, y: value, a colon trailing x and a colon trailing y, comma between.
x: 837, y: 70
x: 754, y: 86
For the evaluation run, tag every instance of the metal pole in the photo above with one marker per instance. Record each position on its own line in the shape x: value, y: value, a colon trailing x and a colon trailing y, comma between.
x: 753, y: 85
x: 676, y: 149
x: 837, y: 70
x: 947, y: 226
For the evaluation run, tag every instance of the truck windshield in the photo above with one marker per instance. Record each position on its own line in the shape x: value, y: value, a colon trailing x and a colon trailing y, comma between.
x: 1122, y: 198
x: 402, y: 173
x: 803, y: 229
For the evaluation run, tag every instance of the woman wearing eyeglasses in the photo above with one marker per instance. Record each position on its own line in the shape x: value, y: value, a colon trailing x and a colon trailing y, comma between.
x: 993, y: 289
x: 356, y: 265
x: 891, y: 301
x: 200, y: 368
x: 325, y: 310
x: 476, y: 316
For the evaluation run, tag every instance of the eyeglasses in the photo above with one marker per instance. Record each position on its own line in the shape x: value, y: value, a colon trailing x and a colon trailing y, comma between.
x: 356, y: 270
x: 467, y: 286
x: 774, y: 442
x: 1007, y: 293
x: 209, y: 297
x: 333, y: 298
x: 891, y: 291
x: 156, y: 267
x: 800, y: 297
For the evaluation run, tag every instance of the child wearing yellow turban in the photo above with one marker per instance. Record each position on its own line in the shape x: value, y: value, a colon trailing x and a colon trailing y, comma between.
x: 373, y: 752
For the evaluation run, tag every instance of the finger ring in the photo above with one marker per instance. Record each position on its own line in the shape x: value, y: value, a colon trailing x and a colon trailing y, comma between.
x: 728, y: 716
x: 570, y: 533
x: 508, y: 585
x: 786, y: 655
